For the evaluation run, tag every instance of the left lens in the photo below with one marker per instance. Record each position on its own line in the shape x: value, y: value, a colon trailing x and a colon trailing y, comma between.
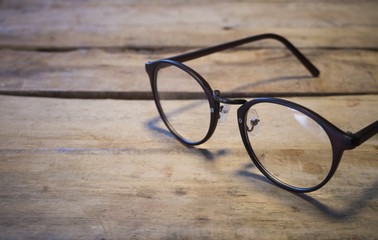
x: 292, y: 147
x: 184, y: 103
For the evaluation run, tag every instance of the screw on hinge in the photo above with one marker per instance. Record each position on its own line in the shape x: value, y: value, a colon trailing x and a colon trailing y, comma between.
x: 349, y: 133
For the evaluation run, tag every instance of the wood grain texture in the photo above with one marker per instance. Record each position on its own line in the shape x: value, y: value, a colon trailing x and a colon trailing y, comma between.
x: 107, y: 169
x: 34, y: 123
x: 252, y: 71
x: 145, y: 24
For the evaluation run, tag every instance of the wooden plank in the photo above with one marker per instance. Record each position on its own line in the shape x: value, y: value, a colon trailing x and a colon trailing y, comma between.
x: 258, y: 71
x: 34, y: 123
x: 139, y: 24
x: 100, y: 194
x: 106, y: 169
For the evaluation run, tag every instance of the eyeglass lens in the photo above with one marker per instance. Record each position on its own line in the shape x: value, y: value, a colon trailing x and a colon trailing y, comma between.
x: 290, y: 145
x: 184, y: 103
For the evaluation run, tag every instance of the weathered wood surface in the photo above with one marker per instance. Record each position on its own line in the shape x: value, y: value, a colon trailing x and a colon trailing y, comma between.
x: 165, y: 23
x: 107, y: 169
x: 252, y: 71
x: 160, y: 29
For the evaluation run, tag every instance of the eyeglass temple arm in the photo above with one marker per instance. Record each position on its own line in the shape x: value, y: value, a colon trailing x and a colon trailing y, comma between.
x: 365, y: 134
x: 206, y: 51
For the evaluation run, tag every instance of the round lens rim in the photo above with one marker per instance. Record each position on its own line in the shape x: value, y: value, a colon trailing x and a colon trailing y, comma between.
x: 335, y: 135
x: 214, y: 106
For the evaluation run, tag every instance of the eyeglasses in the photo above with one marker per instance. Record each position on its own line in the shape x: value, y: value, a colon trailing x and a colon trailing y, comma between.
x: 291, y: 145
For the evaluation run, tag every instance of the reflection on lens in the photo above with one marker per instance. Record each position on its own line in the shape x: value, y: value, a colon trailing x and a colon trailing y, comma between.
x: 290, y: 145
x: 184, y: 103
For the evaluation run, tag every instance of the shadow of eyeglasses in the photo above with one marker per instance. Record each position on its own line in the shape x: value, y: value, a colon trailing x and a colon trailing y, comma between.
x: 354, y: 207
x: 153, y: 125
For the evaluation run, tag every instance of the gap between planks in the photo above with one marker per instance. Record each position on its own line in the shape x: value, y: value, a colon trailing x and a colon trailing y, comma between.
x: 148, y: 95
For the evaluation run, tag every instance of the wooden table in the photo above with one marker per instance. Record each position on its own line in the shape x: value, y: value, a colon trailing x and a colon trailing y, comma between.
x: 83, y: 154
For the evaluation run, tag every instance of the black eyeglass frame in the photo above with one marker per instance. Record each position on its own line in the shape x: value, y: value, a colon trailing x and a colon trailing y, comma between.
x: 340, y: 140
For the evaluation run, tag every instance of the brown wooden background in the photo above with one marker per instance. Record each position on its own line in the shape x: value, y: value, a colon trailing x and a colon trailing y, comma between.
x: 93, y: 161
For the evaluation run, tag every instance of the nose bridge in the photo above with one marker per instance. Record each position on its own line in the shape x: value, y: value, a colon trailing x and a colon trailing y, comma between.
x: 217, y: 97
x: 225, y: 109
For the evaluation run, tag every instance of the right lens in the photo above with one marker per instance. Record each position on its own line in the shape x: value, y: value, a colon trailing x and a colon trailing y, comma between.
x: 290, y: 145
x: 184, y: 103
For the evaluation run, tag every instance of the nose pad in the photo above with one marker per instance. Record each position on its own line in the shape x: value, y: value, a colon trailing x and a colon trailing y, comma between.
x: 224, y: 109
x: 253, y: 122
